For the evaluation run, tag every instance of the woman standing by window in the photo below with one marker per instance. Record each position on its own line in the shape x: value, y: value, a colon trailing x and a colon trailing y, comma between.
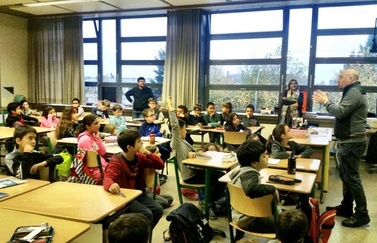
x: 291, y: 103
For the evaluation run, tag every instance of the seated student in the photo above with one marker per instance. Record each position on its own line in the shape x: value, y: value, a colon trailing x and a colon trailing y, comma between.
x: 279, y: 145
x: 148, y: 126
x: 291, y: 226
x: 126, y: 170
x: 66, y: 128
x: 101, y: 110
x: 24, y: 162
x: 49, y: 117
x: 182, y: 113
x: 110, y: 129
x: 89, y: 138
x: 212, y: 147
x: 211, y: 117
x: 184, y: 150
x: 252, y: 157
x: 196, y: 115
x: 164, y: 200
x: 15, y: 117
x: 249, y: 119
x: 152, y: 103
x: 25, y: 109
x: 118, y: 119
x: 226, y: 109
x: 76, y: 103
x: 233, y: 125
x: 130, y: 227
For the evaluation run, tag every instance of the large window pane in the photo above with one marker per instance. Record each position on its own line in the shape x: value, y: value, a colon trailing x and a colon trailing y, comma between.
x: 90, y: 51
x: 156, y: 92
x: 247, y: 22
x: 143, y: 50
x: 246, y: 48
x: 245, y: 74
x: 88, y: 29
x: 343, y: 46
x: 91, y: 73
x: 144, y: 27
x: 91, y: 95
x: 334, y: 97
x: 327, y: 74
x: 340, y: 17
x: 152, y: 74
x: 109, y: 53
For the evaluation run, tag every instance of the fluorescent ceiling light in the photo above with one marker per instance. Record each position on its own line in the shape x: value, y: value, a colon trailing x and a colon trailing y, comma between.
x: 39, y: 4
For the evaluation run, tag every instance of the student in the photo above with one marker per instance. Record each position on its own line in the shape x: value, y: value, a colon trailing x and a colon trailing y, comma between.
x: 184, y: 150
x: 130, y: 227
x: 25, y: 109
x: 25, y: 162
x: 49, y: 117
x: 110, y: 129
x: 15, y: 117
x: 182, y: 113
x: 212, y: 147
x: 233, y: 125
x: 89, y: 138
x: 196, y: 116
x: 152, y: 103
x: 118, y: 119
x: 226, y: 109
x: 101, y: 110
x: 291, y: 226
x: 252, y: 157
x: 164, y: 200
x: 249, y: 119
x: 279, y: 145
x: 126, y: 170
x: 76, y: 103
x: 211, y: 117
x: 67, y: 127
x: 148, y: 126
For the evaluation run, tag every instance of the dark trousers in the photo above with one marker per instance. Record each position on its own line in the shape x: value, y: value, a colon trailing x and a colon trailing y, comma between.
x: 137, y: 114
x: 147, y: 206
x: 349, y: 155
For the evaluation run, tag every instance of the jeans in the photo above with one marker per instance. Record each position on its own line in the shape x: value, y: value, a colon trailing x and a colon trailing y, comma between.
x: 137, y: 114
x: 349, y: 155
x: 147, y: 206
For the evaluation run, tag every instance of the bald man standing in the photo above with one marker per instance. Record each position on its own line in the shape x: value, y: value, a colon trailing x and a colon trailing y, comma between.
x: 350, y: 120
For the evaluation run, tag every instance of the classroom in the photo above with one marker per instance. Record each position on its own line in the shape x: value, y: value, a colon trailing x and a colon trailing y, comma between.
x: 241, y: 52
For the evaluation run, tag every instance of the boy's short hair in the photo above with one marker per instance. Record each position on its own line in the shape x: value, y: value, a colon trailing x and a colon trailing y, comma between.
x: 250, y: 106
x: 140, y: 78
x: 109, y: 128
x: 184, y: 108
x: 198, y: 107
x: 130, y: 227
x: 127, y: 138
x: 209, y: 104
x: 12, y: 107
x: 117, y: 107
x: 152, y: 99
x: 21, y: 131
x: 291, y: 226
x: 250, y: 151
x: 105, y: 103
x: 227, y: 105
x: 76, y: 99
x: 146, y: 111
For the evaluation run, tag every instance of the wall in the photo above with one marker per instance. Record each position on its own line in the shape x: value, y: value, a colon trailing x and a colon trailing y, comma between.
x: 13, y: 57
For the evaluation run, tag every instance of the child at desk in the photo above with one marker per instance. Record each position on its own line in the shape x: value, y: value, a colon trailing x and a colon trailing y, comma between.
x: 226, y: 109
x: 249, y: 119
x: 25, y: 162
x: 25, y: 109
x: 76, y: 103
x: 118, y: 119
x: 49, y: 117
x: 152, y: 103
x: 89, y: 138
x: 126, y: 170
x: 233, y: 125
x: 252, y: 157
x: 279, y: 145
x: 101, y: 110
x: 212, y: 117
x: 66, y: 128
x: 16, y: 118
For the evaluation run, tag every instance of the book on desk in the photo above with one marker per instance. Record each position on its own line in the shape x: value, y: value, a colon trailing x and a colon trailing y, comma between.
x: 10, y: 181
x: 42, y: 233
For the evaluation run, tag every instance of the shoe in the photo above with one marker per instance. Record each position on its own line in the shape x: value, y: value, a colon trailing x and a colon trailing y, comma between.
x: 202, y: 208
x: 341, y: 211
x: 356, y: 220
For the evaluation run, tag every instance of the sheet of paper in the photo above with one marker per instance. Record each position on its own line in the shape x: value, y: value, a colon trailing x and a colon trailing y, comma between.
x: 272, y: 161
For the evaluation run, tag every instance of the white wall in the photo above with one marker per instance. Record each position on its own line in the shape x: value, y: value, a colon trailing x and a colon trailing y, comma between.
x: 13, y: 57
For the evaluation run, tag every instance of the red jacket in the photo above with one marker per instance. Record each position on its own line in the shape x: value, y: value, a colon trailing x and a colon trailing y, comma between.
x: 130, y: 174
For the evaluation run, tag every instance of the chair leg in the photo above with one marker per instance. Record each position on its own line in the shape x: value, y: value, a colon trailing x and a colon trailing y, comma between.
x: 180, y: 195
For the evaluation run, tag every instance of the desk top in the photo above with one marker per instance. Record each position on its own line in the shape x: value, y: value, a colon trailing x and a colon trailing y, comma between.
x: 302, y: 164
x: 253, y: 129
x: 7, y: 132
x: 323, y: 137
x: 211, y: 160
x: 13, y: 191
x: 65, y: 230
x: 72, y: 201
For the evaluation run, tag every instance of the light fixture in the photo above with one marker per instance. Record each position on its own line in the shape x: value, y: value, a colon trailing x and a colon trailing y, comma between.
x: 374, y: 44
x: 40, y: 4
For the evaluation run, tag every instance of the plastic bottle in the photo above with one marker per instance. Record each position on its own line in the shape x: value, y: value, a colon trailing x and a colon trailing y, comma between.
x: 152, y: 138
x: 305, y: 124
x: 291, y: 164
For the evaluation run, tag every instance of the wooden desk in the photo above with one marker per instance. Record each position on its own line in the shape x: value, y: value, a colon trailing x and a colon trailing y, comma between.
x: 7, y: 132
x: 65, y: 231
x: 212, y: 162
x: 30, y: 185
x: 302, y: 164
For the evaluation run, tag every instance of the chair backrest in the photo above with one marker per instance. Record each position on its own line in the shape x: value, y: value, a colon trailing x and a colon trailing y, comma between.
x: 234, y: 138
x: 257, y: 207
x: 51, y: 141
x: 93, y: 160
x: 44, y: 173
x: 151, y: 179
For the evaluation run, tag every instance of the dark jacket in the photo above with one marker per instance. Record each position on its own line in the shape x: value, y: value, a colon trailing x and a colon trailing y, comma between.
x: 211, y: 119
x: 22, y: 119
x: 99, y: 113
x: 140, y: 97
x: 146, y: 128
x: 278, y: 151
x: 251, y: 121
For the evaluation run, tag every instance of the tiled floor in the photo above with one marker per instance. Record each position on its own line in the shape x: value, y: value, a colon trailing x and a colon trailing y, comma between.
x: 332, y: 197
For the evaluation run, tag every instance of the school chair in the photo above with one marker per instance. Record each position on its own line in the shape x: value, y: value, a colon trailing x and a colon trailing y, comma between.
x: 151, y: 179
x: 234, y: 138
x: 182, y: 184
x: 93, y: 160
x: 51, y: 142
x: 257, y: 207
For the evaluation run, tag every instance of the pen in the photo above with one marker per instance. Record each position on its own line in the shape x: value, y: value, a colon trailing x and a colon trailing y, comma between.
x: 122, y: 194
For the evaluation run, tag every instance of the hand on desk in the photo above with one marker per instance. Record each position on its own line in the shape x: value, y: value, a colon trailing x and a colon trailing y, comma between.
x: 114, y: 188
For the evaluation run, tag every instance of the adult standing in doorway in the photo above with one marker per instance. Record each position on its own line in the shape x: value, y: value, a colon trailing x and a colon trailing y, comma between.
x: 291, y: 104
x: 140, y: 95
x: 350, y: 120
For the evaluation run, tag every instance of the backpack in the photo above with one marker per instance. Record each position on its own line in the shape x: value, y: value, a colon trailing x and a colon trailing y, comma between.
x: 188, y: 225
x: 320, y: 226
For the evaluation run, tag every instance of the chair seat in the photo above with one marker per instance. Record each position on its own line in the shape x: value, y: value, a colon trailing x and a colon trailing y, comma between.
x: 184, y: 184
x: 264, y: 235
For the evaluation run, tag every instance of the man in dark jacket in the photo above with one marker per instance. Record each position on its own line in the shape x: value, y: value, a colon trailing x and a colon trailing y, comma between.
x: 140, y: 94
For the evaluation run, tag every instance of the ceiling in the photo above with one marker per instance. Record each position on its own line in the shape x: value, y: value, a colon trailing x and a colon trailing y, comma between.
x: 105, y: 8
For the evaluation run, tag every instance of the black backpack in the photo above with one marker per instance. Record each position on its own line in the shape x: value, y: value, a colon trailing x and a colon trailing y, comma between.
x: 188, y: 225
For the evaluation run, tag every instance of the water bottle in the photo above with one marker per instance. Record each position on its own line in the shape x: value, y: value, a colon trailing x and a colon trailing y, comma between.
x: 305, y: 125
x: 291, y: 164
x: 152, y: 138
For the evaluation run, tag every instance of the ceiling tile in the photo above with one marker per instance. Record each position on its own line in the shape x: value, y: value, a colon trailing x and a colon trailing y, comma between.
x: 45, y: 10
x: 129, y: 4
